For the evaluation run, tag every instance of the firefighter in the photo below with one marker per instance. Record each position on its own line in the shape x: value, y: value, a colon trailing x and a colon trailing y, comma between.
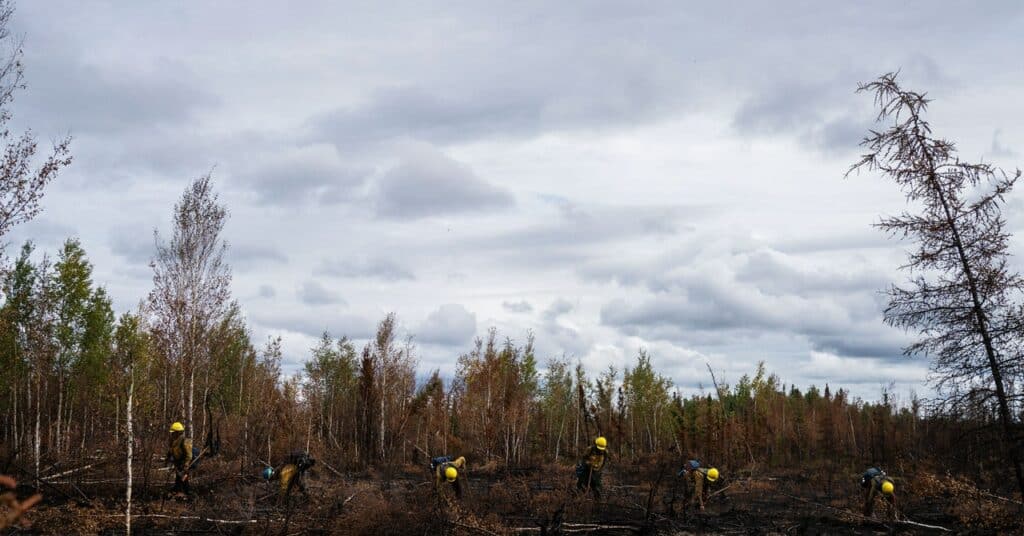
x: 446, y: 473
x: 180, y: 453
x: 289, y: 474
x: 699, y: 476
x: 588, y: 470
x: 875, y: 484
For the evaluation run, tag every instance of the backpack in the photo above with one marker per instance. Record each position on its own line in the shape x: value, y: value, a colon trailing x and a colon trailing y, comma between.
x: 691, y: 465
x: 434, y: 462
x: 869, y: 475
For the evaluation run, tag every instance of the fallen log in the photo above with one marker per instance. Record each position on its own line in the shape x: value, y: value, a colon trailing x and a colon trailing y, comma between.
x: 333, y: 470
x: 903, y: 522
x: 994, y: 496
x: 89, y: 482
x: 898, y: 522
x: 719, y: 491
x: 75, y: 470
x: 579, y: 528
x: 474, y: 528
x: 195, y: 518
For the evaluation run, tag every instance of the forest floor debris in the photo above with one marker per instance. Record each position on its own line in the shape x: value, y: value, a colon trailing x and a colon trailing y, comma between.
x: 531, y: 502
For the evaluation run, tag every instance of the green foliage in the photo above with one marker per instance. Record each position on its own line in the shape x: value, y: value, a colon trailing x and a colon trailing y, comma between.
x: 96, y: 339
x: 231, y: 355
x: 647, y: 402
x: 19, y: 288
x: 73, y: 288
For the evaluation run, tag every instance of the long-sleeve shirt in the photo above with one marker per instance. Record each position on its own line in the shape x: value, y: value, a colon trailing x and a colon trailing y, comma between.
x: 595, y: 458
x: 180, y: 451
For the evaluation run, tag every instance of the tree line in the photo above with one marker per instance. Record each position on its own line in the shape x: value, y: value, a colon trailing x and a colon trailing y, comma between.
x: 71, y: 366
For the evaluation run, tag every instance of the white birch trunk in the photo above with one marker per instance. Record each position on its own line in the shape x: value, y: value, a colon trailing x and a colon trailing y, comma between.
x: 309, y: 430
x: 131, y: 440
x: 191, y: 399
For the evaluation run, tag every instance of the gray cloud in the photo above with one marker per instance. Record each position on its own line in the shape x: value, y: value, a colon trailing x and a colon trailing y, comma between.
x: 315, y: 323
x: 827, y: 367
x: 777, y: 274
x: 521, y: 306
x: 91, y: 99
x: 859, y: 342
x: 427, y: 183
x: 302, y: 174
x: 449, y: 325
x: 417, y: 113
x: 783, y: 108
x: 866, y: 239
x: 727, y: 291
x: 580, y: 225
x: 517, y: 92
x: 136, y: 248
x: 560, y: 336
x: 267, y: 291
x: 373, y: 267
x: 578, y: 232
x: 251, y: 257
x: 999, y: 150
x: 826, y: 116
x: 313, y: 293
x: 42, y: 231
x: 557, y: 308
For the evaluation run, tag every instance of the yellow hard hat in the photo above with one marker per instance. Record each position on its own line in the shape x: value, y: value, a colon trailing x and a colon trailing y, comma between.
x: 451, y: 474
x: 712, y: 474
x: 888, y: 488
x: 601, y: 443
x: 177, y: 427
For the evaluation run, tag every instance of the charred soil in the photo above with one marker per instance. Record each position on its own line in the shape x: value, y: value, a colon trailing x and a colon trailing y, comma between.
x: 540, y: 500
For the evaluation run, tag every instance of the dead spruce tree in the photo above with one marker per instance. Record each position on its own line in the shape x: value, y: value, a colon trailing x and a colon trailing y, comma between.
x: 191, y: 287
x: 962, y: 298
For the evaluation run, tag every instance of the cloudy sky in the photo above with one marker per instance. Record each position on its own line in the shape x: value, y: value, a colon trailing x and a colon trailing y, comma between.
x: 609, y: 175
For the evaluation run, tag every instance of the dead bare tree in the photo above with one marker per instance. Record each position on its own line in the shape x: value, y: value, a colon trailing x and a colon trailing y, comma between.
x: 21, y: 183
x: 191, y: 284
x: 962, y: 298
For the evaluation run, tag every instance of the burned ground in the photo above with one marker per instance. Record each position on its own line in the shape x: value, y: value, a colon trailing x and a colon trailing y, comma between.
x: 638, y: 499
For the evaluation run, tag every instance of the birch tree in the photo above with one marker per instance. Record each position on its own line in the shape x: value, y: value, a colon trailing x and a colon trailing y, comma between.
x: 191, y: 285
x: 129, y: 351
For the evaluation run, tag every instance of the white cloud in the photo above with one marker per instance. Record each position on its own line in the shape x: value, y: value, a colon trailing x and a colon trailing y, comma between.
x: 449, y: 325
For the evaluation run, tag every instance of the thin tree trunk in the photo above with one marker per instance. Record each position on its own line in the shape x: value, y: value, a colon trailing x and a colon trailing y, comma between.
x: 853, y: 434
x: 166, y: 395
x: 60, y: 406
x: 38, y: 422
x: 309, y: 429
x: 131, y: 440
x: 67, y: 426
x: 383, y: 393
x: 16, y: 439
x: 191, y: 401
